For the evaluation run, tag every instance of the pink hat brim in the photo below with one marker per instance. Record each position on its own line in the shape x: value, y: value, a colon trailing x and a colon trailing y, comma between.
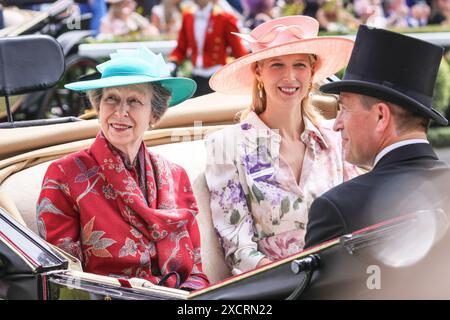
x: 237, y: 77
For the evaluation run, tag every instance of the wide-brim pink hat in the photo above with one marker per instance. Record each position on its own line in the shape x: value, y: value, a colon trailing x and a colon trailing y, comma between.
x: 279, y: 37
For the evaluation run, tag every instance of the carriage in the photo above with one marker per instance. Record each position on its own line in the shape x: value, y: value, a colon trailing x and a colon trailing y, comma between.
x: 401, y: 258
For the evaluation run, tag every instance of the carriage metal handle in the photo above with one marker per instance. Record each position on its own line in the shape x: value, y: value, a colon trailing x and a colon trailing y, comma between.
x: 308, y: 265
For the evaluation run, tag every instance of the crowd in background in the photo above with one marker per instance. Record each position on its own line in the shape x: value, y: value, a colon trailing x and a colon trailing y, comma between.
x: 112, y: 18
x: 204, y: 28
x: 333, y: 15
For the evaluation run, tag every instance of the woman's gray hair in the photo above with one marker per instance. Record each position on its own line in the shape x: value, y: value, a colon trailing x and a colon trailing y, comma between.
x: 159, y: 101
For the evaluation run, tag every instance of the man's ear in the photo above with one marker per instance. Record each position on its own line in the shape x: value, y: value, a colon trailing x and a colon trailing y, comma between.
x: 384, y: 117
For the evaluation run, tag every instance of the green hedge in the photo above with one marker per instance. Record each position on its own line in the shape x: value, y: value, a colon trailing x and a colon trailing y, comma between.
x: 439, y: 137
x: 441, y: 96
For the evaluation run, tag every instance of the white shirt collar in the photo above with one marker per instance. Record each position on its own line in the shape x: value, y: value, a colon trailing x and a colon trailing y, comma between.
x: 396, y: 145
x: 205, y: 12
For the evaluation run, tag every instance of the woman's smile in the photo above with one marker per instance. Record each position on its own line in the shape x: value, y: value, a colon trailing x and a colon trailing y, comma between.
x: 120, y: 127
x: 289, y: 90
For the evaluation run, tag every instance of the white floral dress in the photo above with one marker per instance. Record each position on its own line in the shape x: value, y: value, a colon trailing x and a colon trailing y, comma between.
x: 257, y: 207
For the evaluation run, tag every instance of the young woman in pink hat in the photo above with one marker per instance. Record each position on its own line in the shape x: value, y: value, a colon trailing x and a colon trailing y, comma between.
x: 265, y: 172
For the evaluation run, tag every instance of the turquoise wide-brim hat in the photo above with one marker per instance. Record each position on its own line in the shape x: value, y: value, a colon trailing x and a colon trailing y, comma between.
x: 137, y: 66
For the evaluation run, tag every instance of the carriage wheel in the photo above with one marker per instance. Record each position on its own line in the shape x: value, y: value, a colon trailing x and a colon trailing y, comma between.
x: 62, y: 102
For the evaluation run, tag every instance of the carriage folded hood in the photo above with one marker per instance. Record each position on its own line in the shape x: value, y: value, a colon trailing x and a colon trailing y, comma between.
x: 42, y: 54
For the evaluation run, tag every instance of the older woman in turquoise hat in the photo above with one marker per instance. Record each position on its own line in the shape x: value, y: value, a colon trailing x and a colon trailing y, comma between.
x: 123, y: 210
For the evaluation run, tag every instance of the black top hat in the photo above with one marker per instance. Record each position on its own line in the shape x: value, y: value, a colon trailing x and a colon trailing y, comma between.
x: 392, y: 67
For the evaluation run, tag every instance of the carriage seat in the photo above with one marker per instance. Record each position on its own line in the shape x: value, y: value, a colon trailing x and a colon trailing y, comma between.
x: 23, y: 189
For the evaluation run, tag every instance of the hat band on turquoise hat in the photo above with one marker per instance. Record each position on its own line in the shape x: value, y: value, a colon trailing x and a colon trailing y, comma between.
x: 125, y: 65
x: 124, y: 73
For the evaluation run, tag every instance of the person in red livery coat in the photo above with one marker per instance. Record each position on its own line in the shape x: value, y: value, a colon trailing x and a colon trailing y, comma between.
x: 205, y: 36
x: 123, y: 210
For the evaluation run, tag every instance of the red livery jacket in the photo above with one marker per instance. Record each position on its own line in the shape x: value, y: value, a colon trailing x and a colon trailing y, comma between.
x: 217, y: 40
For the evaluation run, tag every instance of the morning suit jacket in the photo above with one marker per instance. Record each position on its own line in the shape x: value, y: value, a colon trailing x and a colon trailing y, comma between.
x: 405, y: 180
x: 217, y: 40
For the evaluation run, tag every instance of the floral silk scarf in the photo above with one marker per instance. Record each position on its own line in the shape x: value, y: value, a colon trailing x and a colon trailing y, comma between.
x: 160, y: 221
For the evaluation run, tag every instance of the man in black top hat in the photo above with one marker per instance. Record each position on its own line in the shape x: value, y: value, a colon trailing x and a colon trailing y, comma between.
x: 385, y: 110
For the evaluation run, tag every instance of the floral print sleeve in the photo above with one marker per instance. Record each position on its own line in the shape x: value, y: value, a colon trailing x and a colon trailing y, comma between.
x: 57, y: 211
x: 230, y: 206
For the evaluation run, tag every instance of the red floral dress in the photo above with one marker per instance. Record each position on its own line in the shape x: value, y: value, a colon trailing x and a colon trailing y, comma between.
x: 92, y: 207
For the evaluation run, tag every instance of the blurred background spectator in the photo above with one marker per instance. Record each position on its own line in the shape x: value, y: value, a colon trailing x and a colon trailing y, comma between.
x: 397, y: 13
x: 166, y: 17
x: 123, y: 20
x: 237, y: 5
x: 370, y: 12
x: 2, y: 23
x: 440, y: 12
x: 419, y: 14
x: 311, y: 7
x: 292, y: 7
x: 98, y: 10
x: 334, y: 17
x: 144, y: 7
x: 258, y: 11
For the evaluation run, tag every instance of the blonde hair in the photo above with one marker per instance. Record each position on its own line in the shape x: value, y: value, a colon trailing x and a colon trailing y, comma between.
x: 259, y: 104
